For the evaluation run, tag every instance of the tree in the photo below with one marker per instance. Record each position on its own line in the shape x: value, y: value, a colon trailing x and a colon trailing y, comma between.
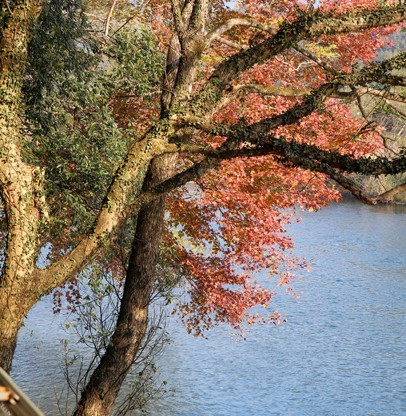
x: 254, y: 112
x: 391, y: 115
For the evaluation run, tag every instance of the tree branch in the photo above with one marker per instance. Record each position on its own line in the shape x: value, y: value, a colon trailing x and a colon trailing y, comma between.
x: 389, y: 195
x: 198, y: 16
x: 177, y: 17
x: 127, y: 181
x: 305, y: 27
x: 385, y: 94
x: 230, y: 24
x: 301, y: 155
x: 323, y: 64
x: 271, y: 90
x: 108, y: 18
x: 232, y: 44
x: 312, y: 101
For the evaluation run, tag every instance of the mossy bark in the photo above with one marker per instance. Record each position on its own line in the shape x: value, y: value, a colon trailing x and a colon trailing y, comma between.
x: 101, y: 391
x: 20, y: 185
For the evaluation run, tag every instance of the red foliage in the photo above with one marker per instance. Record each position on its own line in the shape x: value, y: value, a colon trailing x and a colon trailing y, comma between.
x: 230, y: 225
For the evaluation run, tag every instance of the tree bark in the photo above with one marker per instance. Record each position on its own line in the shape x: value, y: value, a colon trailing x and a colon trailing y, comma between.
x: 104, y: 385
x: 9, y: 326
x: 13, y: 310
x: 19, y: 185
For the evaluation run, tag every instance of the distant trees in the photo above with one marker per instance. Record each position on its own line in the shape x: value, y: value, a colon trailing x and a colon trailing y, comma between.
x: 391, y: 116
x: 250, y: 119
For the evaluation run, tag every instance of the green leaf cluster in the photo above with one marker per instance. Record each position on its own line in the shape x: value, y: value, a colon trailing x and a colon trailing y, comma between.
x: 73, y: 135
x: 137, y: 64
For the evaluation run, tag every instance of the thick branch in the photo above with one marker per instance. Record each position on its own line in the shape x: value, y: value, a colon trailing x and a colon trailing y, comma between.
x: 297, y: 154
x: 177, y: 17
x: 294, y: 152
x: 198, y: 18
x: 305, y: 27
x: 128, y: 181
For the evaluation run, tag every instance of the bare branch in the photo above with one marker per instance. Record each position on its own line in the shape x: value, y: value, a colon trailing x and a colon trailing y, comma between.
x: 323, y: 64
x: 108, y: 19
x: 135, y: 15
x: 8, y: 6
x: 231, y: 23
x: 232, y: 44
x: 385, y: 94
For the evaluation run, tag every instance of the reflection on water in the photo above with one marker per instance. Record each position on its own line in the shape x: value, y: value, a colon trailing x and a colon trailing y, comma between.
x: 342, y: 352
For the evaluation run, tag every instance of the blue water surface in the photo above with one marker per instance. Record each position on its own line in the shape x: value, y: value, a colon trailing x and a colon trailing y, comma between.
x: 342, y: 351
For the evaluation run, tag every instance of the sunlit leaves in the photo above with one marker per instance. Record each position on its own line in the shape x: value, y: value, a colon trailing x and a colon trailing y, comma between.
x: 74, y: 94
x: 238, y: 214
x: 231, y: 224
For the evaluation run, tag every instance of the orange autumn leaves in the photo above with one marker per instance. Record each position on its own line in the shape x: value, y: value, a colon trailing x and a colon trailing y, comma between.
x: 231, y: 224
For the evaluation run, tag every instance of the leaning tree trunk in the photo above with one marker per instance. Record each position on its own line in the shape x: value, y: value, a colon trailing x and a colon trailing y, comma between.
x: 22, y: 214
x: 100, y: 393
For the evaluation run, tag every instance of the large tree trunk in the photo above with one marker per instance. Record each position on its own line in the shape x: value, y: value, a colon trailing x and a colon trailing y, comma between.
x: 104, y: 385
x: 13, y: 310
x: 100, y: 393
x: 9, y: 326
x: 17, y: 291
x: 21, y: 284
x: 19, y: 184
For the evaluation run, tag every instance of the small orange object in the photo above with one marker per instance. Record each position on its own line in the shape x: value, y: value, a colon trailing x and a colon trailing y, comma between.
x: 7, y: 395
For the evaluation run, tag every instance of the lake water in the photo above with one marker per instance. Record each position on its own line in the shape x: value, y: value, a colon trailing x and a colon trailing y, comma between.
x: 342, y: 351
